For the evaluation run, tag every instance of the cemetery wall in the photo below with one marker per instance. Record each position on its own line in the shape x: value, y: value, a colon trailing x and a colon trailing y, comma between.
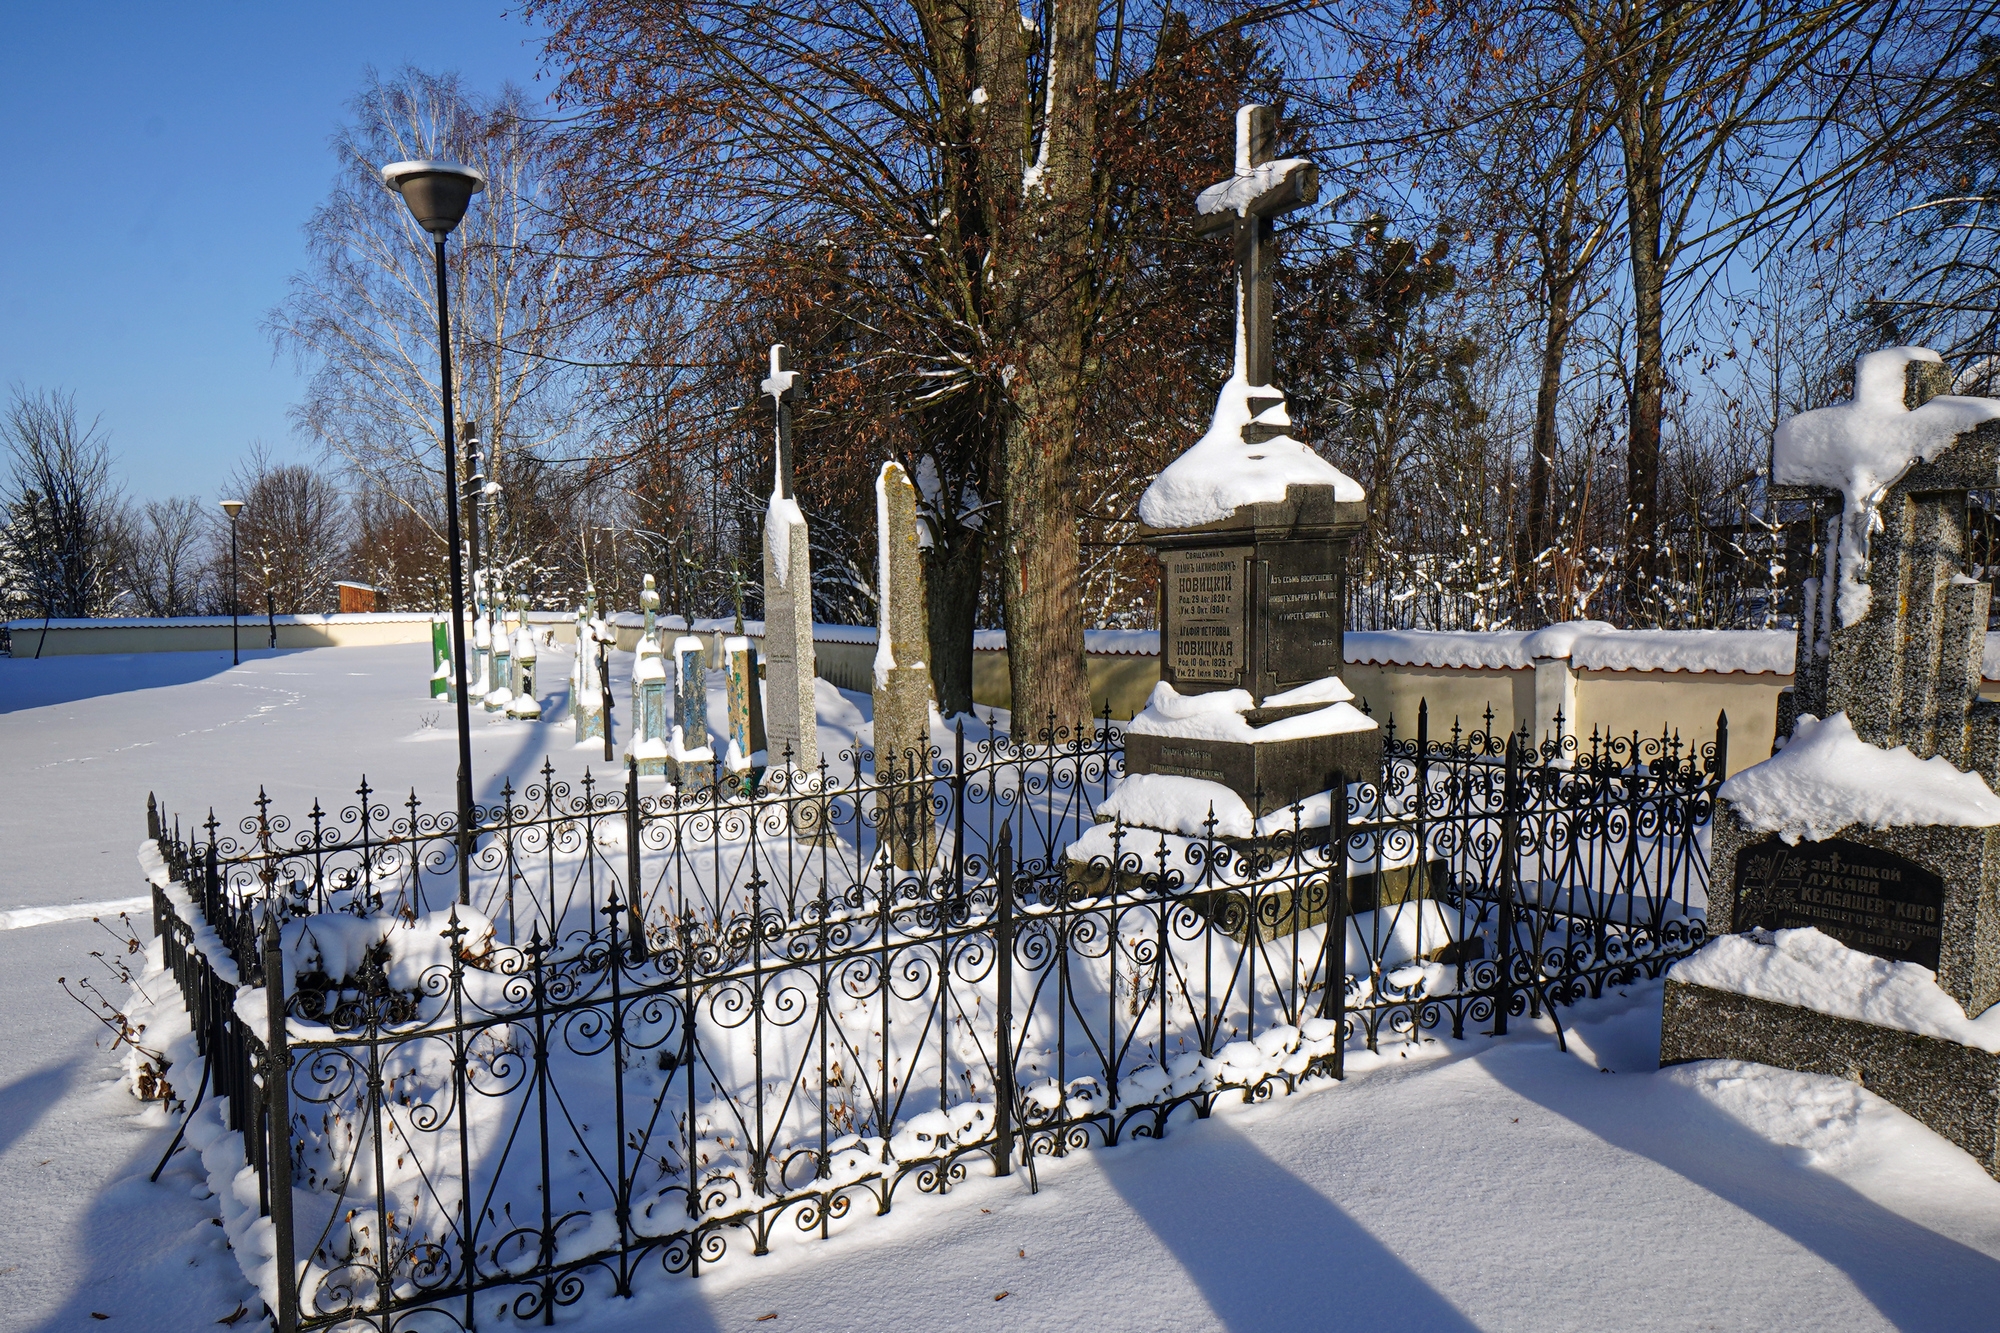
x: 189, y: 634
x: 1614, y: 681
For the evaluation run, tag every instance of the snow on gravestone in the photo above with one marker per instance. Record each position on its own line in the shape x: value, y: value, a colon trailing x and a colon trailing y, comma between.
x: 648, y: 746
x: 1251, y: 527
x: 791, y: 720
x: 693, y: 758
x: 903, y: 703
x: 1874, y: 826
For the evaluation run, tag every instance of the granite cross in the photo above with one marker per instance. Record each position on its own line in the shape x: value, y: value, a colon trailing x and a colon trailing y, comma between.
x: 1259, y: 190
x: 784, y: 386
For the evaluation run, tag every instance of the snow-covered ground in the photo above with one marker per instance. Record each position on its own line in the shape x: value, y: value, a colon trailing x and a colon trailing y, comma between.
x: 1484, y: 1184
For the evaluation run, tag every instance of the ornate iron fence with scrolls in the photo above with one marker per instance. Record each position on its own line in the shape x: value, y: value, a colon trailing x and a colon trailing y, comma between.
x: 645, y: 1028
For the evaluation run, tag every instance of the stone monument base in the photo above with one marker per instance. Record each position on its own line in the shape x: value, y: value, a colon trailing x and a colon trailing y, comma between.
x: 1952, y: 1088
x: 1270, y: 776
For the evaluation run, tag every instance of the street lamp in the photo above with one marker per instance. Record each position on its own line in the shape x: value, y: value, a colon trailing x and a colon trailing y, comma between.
x: 233, y: 508
x: 437, y: 194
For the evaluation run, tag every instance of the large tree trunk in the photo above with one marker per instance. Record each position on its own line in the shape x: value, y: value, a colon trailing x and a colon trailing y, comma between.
x: 1642, y: 447
x: 1038, y: 206
x: 951, y: 585
x: 1535, y: 529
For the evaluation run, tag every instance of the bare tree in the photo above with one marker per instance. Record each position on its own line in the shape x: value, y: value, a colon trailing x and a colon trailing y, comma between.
x: 166, y: 549
x: 63, y: 509
x: 292, y: 535
x: 364, y: 311
x: 958, y: 196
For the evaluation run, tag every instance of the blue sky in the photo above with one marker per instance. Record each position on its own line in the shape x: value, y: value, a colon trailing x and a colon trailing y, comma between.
x: 160, y: 160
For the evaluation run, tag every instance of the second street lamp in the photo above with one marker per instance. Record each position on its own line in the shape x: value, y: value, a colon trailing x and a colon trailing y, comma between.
x: 437, y: 194
x: 233, y: 508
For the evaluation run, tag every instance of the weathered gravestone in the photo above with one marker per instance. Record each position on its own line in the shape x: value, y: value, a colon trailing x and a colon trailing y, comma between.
x: 525, y: 705
x: 1252, y: 528
x: 746, y: 719
x: 440, y: 656
x: 586, y: 688
x: 1875, y: 822
x: 692, y: 765
x: 791, y: 714
x: 501, y: 657
x: 903, y: 703
x: 649, y: 744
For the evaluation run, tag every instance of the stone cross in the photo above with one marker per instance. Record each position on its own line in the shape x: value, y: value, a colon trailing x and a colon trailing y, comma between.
x: 792, y: 714
x: 784, y: 386
x: 1244, y: 205
x: 586, y: 706
x: 902, y: 674
x: 1908, y: 673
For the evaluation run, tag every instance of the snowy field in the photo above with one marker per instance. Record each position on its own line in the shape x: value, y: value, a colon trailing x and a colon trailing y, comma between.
x: 1483, y: 1184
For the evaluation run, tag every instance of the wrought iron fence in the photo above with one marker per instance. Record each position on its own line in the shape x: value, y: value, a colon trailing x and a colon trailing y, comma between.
x: 651, y: 1026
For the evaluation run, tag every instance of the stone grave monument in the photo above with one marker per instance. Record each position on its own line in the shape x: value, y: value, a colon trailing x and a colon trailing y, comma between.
x: 903, y: 702
x: 1251, y: 527
x: 586, y: 691
x: 1874, y: 822
x: 791, y: 714
x: 692, y: 758
x: 526, y: 704
x: 481, y: 680
x: 649, y: 744
x: 440, y: 656
x: 501, y: 656
x: 746, y: 754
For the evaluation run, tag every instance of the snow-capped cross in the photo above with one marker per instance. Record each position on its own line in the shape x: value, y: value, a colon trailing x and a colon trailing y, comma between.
x: 1260, y: 190
x: 784, y: 386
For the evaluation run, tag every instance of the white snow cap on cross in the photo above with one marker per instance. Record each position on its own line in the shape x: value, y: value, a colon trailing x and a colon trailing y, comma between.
x: 1252, y: 179
x: 779, y: 382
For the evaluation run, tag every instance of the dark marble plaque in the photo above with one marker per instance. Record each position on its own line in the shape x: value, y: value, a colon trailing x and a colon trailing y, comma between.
x: 1206, y: 604
x: 1868, y: 899
x: 1299, y: 611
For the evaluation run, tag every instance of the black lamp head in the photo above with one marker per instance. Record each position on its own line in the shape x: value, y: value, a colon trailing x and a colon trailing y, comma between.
x: 437, y: 193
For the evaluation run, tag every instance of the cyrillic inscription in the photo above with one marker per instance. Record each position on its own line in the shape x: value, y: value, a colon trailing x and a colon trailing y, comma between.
x: 1866, y: 898
x: 1206, y: 603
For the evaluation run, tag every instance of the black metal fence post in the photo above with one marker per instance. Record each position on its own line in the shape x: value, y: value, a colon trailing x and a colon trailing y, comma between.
x: 1333, y: 1002
x: 1510, y: 857
x: 1003, y: 1046
x: 1721, y: 768
x: 633, y: 828
x: 278, y: 1122
x: 604, y: 693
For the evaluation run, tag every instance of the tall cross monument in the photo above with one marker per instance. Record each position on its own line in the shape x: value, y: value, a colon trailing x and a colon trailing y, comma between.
x: 1260, y: 190
x: 1253, y: 585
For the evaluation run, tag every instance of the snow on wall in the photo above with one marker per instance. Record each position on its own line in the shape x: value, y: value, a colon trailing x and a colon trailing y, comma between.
x: 1863, y: 446
x: 247, y: 618
x: 1589, y: 646
x: 1826, y: 778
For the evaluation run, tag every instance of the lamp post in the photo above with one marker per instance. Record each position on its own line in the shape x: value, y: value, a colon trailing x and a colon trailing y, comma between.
x: 233, y: 508
x: 437, y: 194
